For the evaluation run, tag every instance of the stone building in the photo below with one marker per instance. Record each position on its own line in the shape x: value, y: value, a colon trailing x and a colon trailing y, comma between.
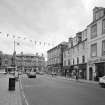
x: 22, y: 62
x: 75, y: 56
x: 30, y: 62
x: 55, y: 58
x: 1, y: 59
x: 96, y: 45
x: 5, y: 60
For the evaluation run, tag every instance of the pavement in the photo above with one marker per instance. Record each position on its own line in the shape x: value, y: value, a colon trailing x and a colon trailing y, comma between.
x: 14, y: 97
x: 9, y: 97
x: 79, y: 80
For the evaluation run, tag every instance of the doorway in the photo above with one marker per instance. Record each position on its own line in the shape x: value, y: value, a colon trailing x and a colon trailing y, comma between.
x: 100, y: 69
x: 90, y: 73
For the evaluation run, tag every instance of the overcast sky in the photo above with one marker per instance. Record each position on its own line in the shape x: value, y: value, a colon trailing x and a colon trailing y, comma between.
x: 49, y: 21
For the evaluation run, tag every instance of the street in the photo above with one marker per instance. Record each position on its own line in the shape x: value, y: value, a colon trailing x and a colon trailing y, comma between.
x: 45, y: 90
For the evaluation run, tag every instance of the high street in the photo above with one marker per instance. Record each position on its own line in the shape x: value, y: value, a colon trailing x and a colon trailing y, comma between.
x: 46, y: 90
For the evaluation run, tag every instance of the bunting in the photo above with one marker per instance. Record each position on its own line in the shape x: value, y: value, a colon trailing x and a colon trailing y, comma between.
x: 30, y: 40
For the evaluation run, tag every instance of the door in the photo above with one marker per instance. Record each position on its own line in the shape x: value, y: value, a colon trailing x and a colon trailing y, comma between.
x: 90, y: 73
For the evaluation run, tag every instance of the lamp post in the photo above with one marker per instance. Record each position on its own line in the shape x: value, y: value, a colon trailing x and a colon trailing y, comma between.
x: 14, y: 57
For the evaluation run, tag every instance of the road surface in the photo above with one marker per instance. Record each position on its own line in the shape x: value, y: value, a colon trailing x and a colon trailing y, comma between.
x: 46, y: 90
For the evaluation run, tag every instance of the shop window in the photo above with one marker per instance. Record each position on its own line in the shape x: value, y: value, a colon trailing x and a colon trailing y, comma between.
x: 94, y: 50
x: 103, y: 26
x: 94, y: 31
x: 103, y: 48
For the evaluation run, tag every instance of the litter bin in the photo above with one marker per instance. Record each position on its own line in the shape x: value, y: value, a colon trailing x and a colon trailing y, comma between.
x: 11, y: 84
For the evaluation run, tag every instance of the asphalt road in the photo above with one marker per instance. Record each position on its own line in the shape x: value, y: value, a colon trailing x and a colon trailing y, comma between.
x: 52, y: 91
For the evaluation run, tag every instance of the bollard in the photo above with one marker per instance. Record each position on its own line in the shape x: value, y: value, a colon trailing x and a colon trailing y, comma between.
x: 11, y: 84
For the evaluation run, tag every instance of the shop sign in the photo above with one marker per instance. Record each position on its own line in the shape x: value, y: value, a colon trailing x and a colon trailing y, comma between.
x: 96, y: 60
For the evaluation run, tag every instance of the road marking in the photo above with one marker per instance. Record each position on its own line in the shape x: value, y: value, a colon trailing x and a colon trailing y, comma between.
x: 23, y: 94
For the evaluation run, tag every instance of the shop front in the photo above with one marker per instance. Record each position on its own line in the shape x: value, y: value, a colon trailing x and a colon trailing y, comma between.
x: 96, y: 68
x: 65, y: 70
x: 100, y: 70
x: 82, y: 70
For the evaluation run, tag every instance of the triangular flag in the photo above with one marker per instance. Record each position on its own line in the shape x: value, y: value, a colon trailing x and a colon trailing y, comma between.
x: 44, y: 43
x: 13, y: 36
x: 18, y: 43
x: 19, y: 37
x: 35, y: 42
x: 7, y: 35
x: 24, y: 38
x: 40, y: 43
x: 30, y: 40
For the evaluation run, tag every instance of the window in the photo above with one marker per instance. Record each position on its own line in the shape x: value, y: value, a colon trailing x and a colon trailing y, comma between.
x: 103, y: 47
x: 94, y: 31
x: 83, y: 45
x: 68, y: 61
x: 73, y: 61
x: 6, y: 62
x: 65, y: 63
x: 64, y: 54
x: 94, y: 50
x: 77, y: 60
x: 83, y: 59
x: 0, y: 61
x: 71, y: 43
x: 103, y: 26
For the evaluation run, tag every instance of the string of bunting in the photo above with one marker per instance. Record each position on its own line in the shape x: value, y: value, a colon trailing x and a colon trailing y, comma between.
x: 30, y: 40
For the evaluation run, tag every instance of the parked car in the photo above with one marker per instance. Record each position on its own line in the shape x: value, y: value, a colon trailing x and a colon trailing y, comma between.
x: 102, y: 81
x: 31, y: 74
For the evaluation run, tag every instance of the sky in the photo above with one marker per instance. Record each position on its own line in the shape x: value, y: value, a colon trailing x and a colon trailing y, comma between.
x: 39, y: 25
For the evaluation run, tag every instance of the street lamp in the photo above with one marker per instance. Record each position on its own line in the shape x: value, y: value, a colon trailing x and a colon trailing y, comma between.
x: 14, y: 57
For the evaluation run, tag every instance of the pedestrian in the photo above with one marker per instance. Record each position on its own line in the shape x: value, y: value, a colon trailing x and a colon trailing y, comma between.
x: 69, y: 75
x: 76, y: 76
x: 52, y: 74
